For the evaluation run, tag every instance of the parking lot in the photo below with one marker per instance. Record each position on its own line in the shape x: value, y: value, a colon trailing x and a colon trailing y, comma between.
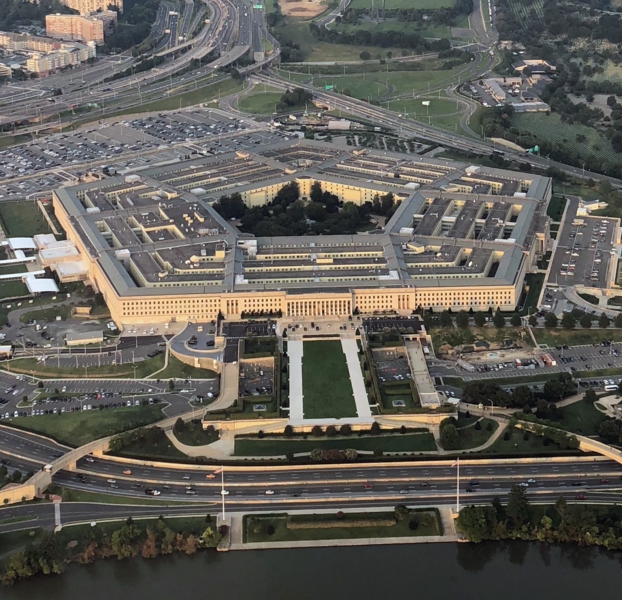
x: 583, y: 252
x: 44, y: 165
x: 379, y: 324
x: 256, y: 379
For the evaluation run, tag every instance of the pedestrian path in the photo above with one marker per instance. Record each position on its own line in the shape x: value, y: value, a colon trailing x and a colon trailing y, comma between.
x: 350, y: 349
x: 295, y: 351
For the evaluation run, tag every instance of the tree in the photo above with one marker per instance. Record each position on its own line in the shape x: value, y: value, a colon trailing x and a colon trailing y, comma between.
x: 317, y: 431
x: 515, y: 320
x: 533, y: 320
x: 479, y: 319
x: 586, y: 321
x: 498, y: 320
x: 446, y: 320
x: 462, y: 320
x: 375, y: 428
x: 364, y: 55
x: 517, y: 508
x: 603, y: 320
x: 590, y: 396
x: 618, y: 321
x: 400, y: 512
x: 550, y: 320
x: 568, y: 321
x: 288, y: 431
x: 171, y: 384
x: 450, y: 438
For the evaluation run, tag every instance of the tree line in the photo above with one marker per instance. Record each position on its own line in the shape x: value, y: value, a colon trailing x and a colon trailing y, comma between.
x: 561, y: 522
x: 54, y: 551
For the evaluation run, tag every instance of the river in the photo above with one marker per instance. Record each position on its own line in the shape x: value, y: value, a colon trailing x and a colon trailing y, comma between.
x: 513, y: 571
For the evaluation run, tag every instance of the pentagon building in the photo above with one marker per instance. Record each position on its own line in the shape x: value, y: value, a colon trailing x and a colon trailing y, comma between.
x: 463, y: 237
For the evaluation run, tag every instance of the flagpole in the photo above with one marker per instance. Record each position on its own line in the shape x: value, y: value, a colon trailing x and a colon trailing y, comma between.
x: 457, y: 487
x: 222, y: 491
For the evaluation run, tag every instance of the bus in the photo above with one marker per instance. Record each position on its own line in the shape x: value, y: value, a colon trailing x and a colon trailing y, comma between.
x: 611, y: 388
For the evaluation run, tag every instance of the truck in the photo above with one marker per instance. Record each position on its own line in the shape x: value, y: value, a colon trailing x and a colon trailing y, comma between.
x: 548, y: 360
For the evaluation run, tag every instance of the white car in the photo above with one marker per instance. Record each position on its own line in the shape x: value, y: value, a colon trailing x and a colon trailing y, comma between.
x: 269, y: 492
x: 225, y: 492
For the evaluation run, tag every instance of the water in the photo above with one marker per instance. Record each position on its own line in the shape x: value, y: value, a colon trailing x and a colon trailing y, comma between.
x: 513, y: 571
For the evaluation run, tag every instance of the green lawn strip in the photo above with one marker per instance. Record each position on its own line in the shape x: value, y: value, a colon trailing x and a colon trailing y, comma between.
x: 12, y: 289
x: 78, y: 428
x: 517, y: 445
x: 429, y: 524
x: 260, y: 103
x: 589, y: 298
x: 196, y: 436
x: 164, y: 449
x: 71, y: 495
x: 31, y: 366
x: 582, y: 418
x: 47, y: 314
x: 12, y: 520
x: 473, y: 438
x: 576, y: 337
x: 556, y: 208
x: 281, y: 446
x: 533, y: 284
x: 23, y: 219
x: 326, y: 386
x: 201, y: 95
x: 613, y: 371
x: 13, y: 540
x: 179, y: 370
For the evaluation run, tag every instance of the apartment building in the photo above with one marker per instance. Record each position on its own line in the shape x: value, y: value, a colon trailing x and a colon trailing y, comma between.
x: 75, y: 28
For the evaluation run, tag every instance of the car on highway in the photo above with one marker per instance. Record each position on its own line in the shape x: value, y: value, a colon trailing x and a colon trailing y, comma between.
x: 604, y: 480
x: 210, y: 476
x: 111, y: 480
x: 470, y: 489
x: 269, y: 492
x: 531, y: 480
x: 127, y: 471
x: 368, y: 486
x: 151, y: 492
x: 224, y: 492
x: 577, y: 483
x: 580, y: 497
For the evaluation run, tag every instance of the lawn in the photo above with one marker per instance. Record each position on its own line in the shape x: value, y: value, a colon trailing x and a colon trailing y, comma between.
x: 71, y: 495
x: 420, y: 28
x: 79, y: 428
x: 47, y: 315
x: 199, y: 96
x: 326, y: 386
x: 164, y: 449
x: 261, y: 103
x: 281, y: 446
x: 472, y: 438
x: 576, y: 337
x: 13, y: 289
x: 556, y: 207
x: 517, y: 445
x: 14, y: 540
x: 256, y: 527
x: 552, y: 129
x: 533, y: 284
x: 590, y: 298
x: 179, y: 370
x: 22, y: 219
x: 441, y: 112
x: 31, y: 366
x: 582, y: 418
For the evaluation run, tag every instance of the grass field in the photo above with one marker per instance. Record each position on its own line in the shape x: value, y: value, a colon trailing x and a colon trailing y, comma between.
x: 556, y: 208
x: 533, y: 283
x: 326, y: 383
x: 256, y: 528
x: 407, y: 442
x: 517, y: 445
x: 178, y: 370
x: 31, y: 366
x: 576, y: 337
x: 47, y: 314
x: 12, y: 289
x: 582, y: 418
x: 204, y: 94
x: 71, y: 495
x: 420, y: 28
x: 79, y: 428
x: 472, y: 438
x: 14, y: 540
x: 22, y: 219
x: 552, y: 129
x: 441, y: 112
x: 164, y: 449
x: 260, y: 103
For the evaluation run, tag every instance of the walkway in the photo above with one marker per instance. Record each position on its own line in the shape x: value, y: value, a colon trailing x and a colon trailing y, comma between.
x: 350, y: 349
x: 295, y: 351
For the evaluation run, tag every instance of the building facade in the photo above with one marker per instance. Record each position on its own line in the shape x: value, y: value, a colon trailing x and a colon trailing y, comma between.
x: 75, y: 28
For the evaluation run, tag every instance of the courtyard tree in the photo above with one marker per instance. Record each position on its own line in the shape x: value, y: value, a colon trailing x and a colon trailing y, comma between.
x: 550, y: 320
x: 568, y: 321
x: 479, y: 319
x: 498, y: 320
x: 533, y: 320
x: 446, y: 320
x: 603, y: 321
x: 462, y: 320
x: 586, y: 321
x: 515, y: 320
